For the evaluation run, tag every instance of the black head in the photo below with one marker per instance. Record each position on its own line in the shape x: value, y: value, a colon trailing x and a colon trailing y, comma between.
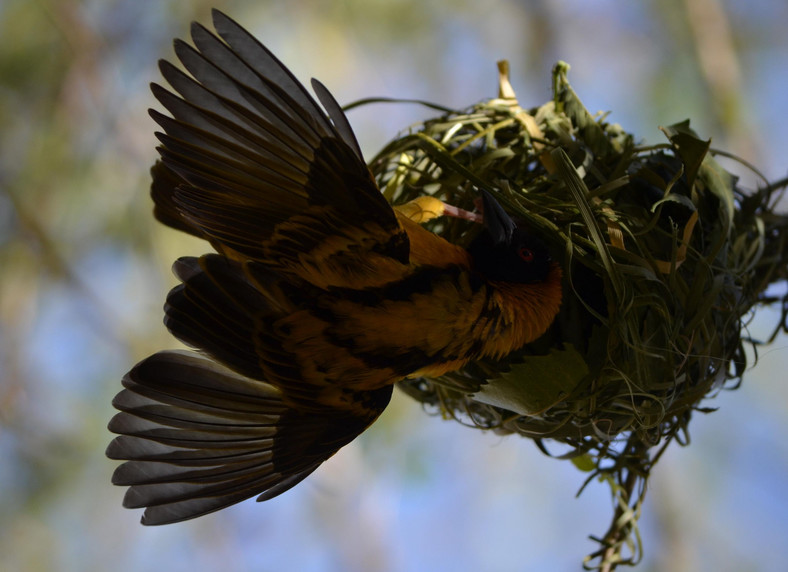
x: 504, y: 252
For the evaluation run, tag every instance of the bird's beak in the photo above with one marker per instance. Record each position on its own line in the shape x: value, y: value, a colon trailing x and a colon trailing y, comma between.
x: 499, y: 225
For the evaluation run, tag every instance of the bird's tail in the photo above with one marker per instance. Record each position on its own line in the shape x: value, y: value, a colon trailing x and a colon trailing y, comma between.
x: 198, y: 437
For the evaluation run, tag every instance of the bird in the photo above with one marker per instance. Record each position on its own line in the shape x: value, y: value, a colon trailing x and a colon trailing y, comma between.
x: 319, y: 295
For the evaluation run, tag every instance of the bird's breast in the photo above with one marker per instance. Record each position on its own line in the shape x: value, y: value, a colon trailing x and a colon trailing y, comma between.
x: 518, y: 314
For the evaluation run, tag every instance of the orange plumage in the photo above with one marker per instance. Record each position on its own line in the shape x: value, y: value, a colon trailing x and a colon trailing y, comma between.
x: 320, y: 297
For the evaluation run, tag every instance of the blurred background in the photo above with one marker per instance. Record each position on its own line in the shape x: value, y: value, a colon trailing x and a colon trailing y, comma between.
x: 84, y: 271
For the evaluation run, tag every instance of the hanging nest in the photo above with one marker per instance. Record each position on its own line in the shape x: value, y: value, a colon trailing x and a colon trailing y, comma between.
x: 663, y: 258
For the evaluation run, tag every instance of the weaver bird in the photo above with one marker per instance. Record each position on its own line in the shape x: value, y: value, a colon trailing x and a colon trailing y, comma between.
x: 320, y: 295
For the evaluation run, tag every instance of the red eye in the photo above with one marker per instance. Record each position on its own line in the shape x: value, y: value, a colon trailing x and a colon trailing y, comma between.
x: 526, y: 254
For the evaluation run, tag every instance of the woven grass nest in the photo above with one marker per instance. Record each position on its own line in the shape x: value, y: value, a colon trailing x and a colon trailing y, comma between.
x: 663, y: 259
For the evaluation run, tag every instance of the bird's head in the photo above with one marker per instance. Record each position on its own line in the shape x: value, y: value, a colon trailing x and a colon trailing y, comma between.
x: 505, y: 252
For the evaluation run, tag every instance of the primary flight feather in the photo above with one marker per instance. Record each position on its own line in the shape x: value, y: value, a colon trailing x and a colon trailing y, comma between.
x: 319, y: 298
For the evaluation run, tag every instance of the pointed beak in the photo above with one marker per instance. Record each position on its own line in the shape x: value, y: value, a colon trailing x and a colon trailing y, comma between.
x: 499, y: 225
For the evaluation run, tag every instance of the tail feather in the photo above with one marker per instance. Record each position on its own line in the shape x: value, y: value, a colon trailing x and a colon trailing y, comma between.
x: 197, y: 437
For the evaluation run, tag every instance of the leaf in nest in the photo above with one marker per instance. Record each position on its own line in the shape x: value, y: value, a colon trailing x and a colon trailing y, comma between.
x: 690, y: 148
x: 698, y: 163
x: 537, y: 384
x: 677, y: 199
x: 721, y: 183
x: 585, y: 462
x: 567, y: 100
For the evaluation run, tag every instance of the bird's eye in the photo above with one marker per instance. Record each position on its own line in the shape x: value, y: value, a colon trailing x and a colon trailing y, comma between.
x: 526, y: 254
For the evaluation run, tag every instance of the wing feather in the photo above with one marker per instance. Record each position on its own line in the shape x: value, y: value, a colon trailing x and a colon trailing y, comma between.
x: 247, y: 141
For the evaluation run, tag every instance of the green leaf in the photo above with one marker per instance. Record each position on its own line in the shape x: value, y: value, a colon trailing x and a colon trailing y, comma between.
x: 567, y: 172
x: 698, y: 163
x: 720, y: 182
x: 584, y: 462
x: 536, y: 384
x: 675, y: 198
x: 690, y: 148
x: 568, y: 102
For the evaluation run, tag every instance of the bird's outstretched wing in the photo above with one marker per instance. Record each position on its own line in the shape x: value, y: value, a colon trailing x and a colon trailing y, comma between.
x: 252, y: 163
x: 198, y: 437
